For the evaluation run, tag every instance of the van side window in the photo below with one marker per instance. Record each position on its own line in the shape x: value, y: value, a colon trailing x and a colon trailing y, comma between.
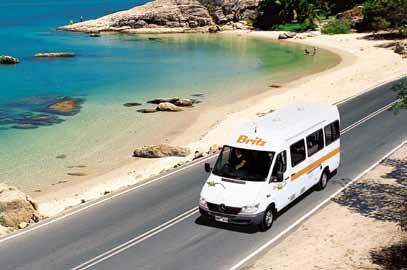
x: 280, y: 165
x: 315, y: 142
x: 332, y: 132
x: 297, y: 151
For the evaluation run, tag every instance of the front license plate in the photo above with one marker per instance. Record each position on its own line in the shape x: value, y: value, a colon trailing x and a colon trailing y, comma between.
x: 222, y: 219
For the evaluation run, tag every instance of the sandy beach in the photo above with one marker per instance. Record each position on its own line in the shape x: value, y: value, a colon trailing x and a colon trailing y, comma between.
x: 362, y: 66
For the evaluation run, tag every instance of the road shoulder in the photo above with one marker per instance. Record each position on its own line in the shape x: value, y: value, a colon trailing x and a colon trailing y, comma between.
x: 359, y: 229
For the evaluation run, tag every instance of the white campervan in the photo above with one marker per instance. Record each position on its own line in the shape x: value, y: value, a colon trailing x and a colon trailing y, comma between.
x: 270, y: 162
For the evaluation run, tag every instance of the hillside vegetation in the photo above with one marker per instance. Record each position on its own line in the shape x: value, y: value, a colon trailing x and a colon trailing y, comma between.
x: 301, y: 15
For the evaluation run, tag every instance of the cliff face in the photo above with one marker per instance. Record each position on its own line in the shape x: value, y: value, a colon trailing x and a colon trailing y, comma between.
x: 174, y: 16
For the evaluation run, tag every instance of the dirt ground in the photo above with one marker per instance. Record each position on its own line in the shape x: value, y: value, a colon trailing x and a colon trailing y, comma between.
x: 359, y: 229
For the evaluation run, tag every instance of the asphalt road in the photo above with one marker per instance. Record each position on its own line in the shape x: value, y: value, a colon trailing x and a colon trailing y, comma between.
x: 123, y: 229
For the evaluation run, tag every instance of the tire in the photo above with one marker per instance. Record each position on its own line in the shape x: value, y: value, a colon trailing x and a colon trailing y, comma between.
x: 323, y: 181
x: 268, y: 219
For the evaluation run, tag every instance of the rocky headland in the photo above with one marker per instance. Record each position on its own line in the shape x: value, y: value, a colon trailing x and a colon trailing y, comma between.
x: 175, y: 16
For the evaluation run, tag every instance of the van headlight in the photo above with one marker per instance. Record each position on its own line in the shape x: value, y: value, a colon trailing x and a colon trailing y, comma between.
x: 203, y: 203
x: 250, y: 209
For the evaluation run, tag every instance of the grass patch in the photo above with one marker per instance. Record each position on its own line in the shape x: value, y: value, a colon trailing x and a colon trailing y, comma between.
x: 292, y: 27
x: 336, y: 27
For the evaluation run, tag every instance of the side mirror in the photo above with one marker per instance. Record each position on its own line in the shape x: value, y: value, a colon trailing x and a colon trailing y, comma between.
x: 280, y: 176
x: 208, y: 167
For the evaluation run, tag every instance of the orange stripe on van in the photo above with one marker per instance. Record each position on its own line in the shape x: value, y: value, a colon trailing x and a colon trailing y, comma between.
x: 315, y: 164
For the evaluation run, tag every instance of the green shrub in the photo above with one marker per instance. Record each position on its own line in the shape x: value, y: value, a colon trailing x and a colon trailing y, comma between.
x: 2, y: 221
x: 384, y: 14
x: 379, y: 23
x: 403, y: 31
x: 336, y: 27
x: 292, y: 27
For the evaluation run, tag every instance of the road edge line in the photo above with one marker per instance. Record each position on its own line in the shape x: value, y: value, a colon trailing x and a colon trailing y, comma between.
x: 99, y: 201
x: 315, y: 209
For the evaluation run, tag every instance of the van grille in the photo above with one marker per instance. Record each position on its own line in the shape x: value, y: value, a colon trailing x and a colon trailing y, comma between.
x: 225, y: 210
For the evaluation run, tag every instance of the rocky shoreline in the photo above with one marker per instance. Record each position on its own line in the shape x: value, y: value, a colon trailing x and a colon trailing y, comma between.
x: 175, y: 16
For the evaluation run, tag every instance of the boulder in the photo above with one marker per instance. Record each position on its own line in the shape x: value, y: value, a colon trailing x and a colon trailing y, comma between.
x: 16, y: 207
x: 214, y: 148
x: 168, y: 107
x: 183, y: 102
x: 353, y: 16
x: 8, y: 60
x: 214, y: 29
x: 162, y: 100
x: 286, y: 35
x: 22, y: 225
x: 147, y: 110
x: 54, y: 55
x: 400, y: 48
x: 162, y: 150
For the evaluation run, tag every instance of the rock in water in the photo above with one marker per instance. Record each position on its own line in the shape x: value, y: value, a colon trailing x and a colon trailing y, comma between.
x: 162, y: 100
x: 170, y: 16
x: 65, y: 106
x: 8, y: 60
x: 16, y: 207
x: 162, y: 150
x: 168, y: 107
x: 148, y: 110
x: 183, y: 102
x: 54, y: 55
x: 132, y: 104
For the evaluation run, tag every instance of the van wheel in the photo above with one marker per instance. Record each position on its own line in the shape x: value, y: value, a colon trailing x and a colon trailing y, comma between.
x: 268, y: 219
x: 323, y: 181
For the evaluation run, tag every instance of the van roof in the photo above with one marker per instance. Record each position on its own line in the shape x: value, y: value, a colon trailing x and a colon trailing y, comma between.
x: 282, y: 126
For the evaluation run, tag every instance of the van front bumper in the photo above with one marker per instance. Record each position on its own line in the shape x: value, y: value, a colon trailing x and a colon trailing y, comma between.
x: 241, y: 219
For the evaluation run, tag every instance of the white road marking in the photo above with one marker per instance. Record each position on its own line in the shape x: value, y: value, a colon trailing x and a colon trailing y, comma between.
x: 163, y: 226
x: 312, y: 211
x: 371, y: 88
x: 85, y: 207
x: 132, y: 242
x: 114, y: 251
x: 366, y: 118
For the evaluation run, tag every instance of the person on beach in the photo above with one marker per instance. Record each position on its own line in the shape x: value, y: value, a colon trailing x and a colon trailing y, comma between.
x: 314, y: 52
x: 81, y: 19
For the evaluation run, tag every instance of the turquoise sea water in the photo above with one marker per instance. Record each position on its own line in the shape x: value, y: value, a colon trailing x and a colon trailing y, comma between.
x: 107, y: 72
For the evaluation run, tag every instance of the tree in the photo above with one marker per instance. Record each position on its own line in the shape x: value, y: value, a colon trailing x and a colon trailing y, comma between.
x: 401, y: 89
x: 379, y: 14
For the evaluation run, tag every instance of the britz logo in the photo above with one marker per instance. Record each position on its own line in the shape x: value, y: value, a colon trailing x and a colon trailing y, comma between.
x: 246, y: 140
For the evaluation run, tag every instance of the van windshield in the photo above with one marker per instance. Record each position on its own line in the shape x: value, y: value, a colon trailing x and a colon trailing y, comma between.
x: 238, y: 163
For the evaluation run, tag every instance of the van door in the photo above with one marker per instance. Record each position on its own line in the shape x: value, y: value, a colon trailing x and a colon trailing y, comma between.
x: 299, y: 177
x: 280, y: 187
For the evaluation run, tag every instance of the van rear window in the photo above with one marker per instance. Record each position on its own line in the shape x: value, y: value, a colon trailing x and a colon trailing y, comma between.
x: 297, y: 151
x: 332, y: 132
